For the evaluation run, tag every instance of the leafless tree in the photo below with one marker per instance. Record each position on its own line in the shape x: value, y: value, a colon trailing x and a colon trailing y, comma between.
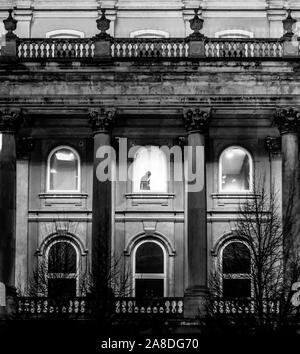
x: 274, y: 254
x: 59, y: 275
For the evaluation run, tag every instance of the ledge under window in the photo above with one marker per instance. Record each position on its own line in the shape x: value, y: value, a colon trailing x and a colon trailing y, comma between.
x: 56, y: 199
x: 233, y: 195
x: 150, y: 195
x: 234, y: 198
x: 150, y: 198
x: 63, y: 195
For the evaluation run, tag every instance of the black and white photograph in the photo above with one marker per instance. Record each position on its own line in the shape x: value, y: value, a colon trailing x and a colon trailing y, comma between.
x: 149, y: 176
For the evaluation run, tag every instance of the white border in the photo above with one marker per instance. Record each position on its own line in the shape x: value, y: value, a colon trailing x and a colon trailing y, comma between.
x: 78, y: 171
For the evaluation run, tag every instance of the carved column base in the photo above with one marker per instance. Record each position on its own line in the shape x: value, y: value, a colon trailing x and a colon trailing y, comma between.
x: 195, y: 302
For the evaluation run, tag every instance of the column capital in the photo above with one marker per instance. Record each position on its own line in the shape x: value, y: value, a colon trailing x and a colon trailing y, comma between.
x: 102, y: 119
x: 195, y: 119
x: 287, y: 120
x: 10, y: 120
x: 273, y: 145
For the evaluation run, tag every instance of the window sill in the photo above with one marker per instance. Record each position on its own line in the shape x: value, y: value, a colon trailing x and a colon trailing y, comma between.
x: 63, y: 195
x: 233, y: 195
x: 150, y: 195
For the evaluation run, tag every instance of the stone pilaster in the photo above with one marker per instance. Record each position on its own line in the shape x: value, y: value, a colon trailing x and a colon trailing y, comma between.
x: 288, y: 123
x: 25, y: 146
x: 102, y: 121
x: 273, y: 145
x: 196, y: 123
x: 9, y: 123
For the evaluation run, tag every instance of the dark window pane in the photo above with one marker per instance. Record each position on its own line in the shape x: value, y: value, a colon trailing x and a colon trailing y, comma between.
x: 58, y: 288
x: 149, y: 288
x: 149, y: 258
x: 236, y: 288
x: 236, y: 258
x: 62, y: 258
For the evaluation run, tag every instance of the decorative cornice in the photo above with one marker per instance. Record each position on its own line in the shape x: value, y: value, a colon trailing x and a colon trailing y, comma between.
x: 10, y: 120
x: 195, y: 119
x: 287, y: 120
x: 25, y: 146
x: 273, y: 145
x: 102, y: 119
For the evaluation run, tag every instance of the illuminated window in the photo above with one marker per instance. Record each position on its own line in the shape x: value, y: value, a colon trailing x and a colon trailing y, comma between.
x: 62, y: 270
x: 149, y: 270
x: 235, y: 170
x: 0, y: 142
x: 236, y: 270
x: 149, y: 173
x: 63, y: 170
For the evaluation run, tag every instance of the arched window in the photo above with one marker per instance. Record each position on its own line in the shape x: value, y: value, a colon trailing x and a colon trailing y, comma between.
x: 63, y: 170
x: 234, y: 33
x: 149, y: 33
x: 236, y: 270
x: 150, y: 170
x: 149, y: 270
x: 235, y: 168
x: 62, y: 270
x: 65, y: 33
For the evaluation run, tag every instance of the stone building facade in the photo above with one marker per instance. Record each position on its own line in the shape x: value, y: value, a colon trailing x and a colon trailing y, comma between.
x: 65, y: 94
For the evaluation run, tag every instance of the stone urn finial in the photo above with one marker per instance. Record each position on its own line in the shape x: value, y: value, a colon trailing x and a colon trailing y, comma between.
x: 10, y: 24
x: 196, y: 24
x: 288, y: 25
x: 103, y: 24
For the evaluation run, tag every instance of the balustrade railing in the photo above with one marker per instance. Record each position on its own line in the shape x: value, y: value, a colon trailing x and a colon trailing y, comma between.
x: 125, y: 306
x: 135, y: 48
x: 52, y: 48
x: 39, y: 306
x: 243, y: 48
x: 169, y: 307
x: 243, y: 307
x: 149, y: 48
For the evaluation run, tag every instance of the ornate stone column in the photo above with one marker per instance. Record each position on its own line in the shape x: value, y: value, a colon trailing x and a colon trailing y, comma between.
x: 288, y: 122
x: 9, y: 123
x: 102, y: 121
x: 196, y: 122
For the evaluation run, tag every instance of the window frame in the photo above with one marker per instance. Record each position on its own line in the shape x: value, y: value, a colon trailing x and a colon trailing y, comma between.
x: 48, y: 168
x: 70, y: 32
x: 63, y: 275
x: 242, y: 191
x: 136, y: 276
x: 233, y: 276
x: 168, y: 172
x: 236, y: 33
x: 157, y: 33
